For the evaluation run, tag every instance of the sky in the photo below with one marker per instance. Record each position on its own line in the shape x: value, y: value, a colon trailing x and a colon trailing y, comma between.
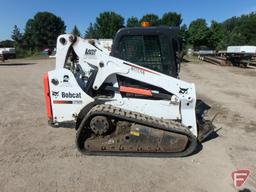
x: 82, y: 12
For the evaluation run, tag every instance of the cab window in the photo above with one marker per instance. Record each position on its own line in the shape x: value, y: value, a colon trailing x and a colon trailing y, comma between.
x: 151, y: 51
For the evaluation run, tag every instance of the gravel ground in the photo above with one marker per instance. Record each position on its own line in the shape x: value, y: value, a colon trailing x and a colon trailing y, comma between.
x: 36, y: 157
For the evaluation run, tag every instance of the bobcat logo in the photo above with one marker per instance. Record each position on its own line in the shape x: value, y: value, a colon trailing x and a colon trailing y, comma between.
x: 183, y: 90
x: 55, y: 93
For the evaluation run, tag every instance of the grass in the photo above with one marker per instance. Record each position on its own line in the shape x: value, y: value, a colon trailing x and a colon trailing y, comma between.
x: 28, y: 54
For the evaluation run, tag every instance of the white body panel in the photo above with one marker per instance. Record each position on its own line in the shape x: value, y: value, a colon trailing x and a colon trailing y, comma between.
x: 206, y: 52
x: 241, y: 49
x: 184, y: 96
x: 157, y: 108
x: 65, y: 106
x: 7, y: 51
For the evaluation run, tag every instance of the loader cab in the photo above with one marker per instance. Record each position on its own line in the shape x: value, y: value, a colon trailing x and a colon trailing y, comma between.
x: 156, y: 48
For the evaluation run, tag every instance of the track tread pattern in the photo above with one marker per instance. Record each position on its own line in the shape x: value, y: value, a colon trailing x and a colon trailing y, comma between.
x: 125, y: 115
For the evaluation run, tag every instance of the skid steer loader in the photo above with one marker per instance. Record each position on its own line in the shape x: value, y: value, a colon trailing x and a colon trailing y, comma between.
x: 123, y: 108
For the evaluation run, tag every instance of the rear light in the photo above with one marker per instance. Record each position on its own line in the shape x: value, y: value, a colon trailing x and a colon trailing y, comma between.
x: 47, y: 96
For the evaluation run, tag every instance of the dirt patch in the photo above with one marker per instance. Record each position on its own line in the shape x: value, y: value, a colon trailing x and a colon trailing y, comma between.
x: 235, y: 93
x: 250, y: 128
x: 248, y: 72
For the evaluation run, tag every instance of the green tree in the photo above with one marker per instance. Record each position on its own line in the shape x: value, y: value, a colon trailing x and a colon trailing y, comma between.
x: 247, y: 29
x: 152, y: 18
x: 237, y: 38
x: 198, y: 33
x: 240, y: 30
x: 18, y: 39
x: 91, y: 32
x: 107, y: 24
x: 42, y: 30
x: 76, y: 32
x: 171, y: 19
x: 7, y: 43
x: 133, y: 22
x: 230, y: 24
x: 217, y: 36
x: 27, y: 37
x: 17, y: 35
x: 184, y: 34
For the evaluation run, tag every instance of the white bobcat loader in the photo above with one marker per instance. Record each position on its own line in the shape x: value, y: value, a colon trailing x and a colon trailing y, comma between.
x: 121, y: 108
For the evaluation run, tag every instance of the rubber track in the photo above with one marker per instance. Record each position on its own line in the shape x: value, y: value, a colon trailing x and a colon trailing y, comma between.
x: 125, y: 115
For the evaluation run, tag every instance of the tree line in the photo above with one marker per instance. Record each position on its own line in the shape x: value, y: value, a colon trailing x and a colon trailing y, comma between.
x: 42, y: 30
x: 108, y: 23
